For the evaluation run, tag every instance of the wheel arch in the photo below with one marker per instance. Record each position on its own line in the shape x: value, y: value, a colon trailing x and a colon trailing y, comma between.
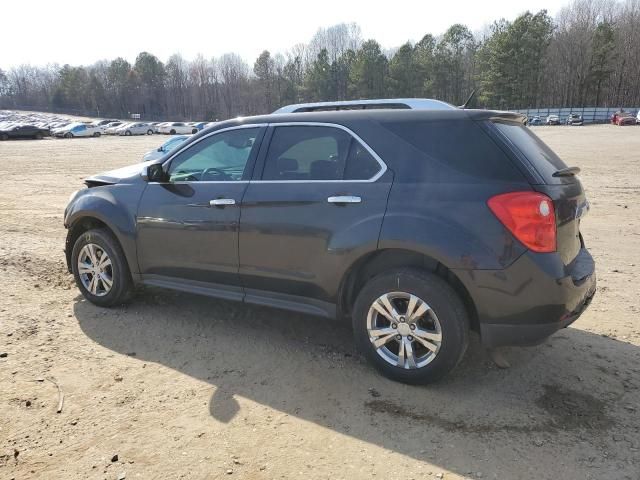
x: 83, y: 223
x: 379, y: 261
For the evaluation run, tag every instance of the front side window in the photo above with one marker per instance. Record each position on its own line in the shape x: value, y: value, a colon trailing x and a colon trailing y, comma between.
x: 220, y: 157
x: 317, y: 153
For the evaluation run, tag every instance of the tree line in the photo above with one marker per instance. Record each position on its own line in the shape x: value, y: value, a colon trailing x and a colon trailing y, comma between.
x: 589, y: 55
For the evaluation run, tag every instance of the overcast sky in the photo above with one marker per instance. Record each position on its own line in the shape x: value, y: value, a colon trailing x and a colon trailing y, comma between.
x: 82, y: 32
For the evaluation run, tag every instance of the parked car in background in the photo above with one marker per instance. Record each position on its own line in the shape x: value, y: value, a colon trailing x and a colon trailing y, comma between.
x: 535, y: 120
x: 155, y: 125
x: 574, y: 119
x: 172, y: 128
x: 198, y: 125
x: 100, y: 123
x: 136, y: 129
x: 113, y: 130
x: 345, y: 217
x: 23, y: 131
x: 638, y: 118
x: 111, y: 125
x: 64, y: 128
x: 165, y: 148
x: 159, y: 125
x: 624, y: 119
x: 79, y: 130
x: 553, y: 120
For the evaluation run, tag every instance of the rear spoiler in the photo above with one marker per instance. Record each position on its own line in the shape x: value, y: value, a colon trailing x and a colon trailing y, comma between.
x: 567, y: 172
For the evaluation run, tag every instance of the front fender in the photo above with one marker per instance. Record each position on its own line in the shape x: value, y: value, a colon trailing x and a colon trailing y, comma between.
x: 116, y: 207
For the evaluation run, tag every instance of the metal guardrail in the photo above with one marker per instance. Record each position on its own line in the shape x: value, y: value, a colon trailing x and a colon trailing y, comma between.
x: 589, y: 114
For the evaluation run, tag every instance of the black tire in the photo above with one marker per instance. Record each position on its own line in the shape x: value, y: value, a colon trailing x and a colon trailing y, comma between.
x: 127, y: 133
x: 194, y: 131
x: 443, y: 300
x: 39, y: 136
x: 122, y: 286
x: 172, y: 132
x: 4, y: 136
x: 68, y: 135
x: 149, y: 132
x: 97, y: 134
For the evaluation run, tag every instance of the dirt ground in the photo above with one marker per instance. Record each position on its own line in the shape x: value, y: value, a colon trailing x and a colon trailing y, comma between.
x: 177, y: 386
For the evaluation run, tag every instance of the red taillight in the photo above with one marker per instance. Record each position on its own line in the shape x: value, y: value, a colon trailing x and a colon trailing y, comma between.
x: 529, y: 216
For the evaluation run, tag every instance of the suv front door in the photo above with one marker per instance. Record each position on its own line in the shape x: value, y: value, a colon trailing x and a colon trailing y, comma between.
x: 317, y: 201
x: 188, y: 227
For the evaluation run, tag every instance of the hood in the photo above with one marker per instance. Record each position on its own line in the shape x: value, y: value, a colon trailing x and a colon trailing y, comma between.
x: 127, y: 174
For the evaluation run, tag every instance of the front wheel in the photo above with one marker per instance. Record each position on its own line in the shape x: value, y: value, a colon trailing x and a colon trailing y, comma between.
x: 172, y: 132
x: 127, y: 133
x: 97, y: 134
x: 149, y: 132
x: 100, y: 268
x: 68, y: 135
x: 194, y: 131
x: 411, y: 325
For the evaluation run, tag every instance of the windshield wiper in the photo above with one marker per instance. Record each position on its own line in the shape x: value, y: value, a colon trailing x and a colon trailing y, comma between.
x: 567, y: 172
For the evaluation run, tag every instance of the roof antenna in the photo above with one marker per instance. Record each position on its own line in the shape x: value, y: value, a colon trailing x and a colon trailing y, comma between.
x: 465, y: 104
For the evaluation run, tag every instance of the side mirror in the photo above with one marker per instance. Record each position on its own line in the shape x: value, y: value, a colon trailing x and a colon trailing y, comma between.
x: 154, y: 173
x: 160, y: 149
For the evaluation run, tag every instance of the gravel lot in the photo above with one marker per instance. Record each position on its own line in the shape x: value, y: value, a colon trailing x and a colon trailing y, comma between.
x: 178, y: 386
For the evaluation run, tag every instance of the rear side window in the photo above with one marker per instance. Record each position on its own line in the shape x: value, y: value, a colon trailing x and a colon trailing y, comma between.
x: 451, y: 150
x: 317, y: 153
x: 543, y: 159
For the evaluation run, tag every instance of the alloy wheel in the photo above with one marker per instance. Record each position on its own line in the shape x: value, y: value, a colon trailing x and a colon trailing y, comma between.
x: 95, y: 270
x: 404, y: 330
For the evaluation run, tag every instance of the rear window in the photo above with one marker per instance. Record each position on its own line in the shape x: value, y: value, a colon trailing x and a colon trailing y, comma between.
x: 453, y: 151
x: 543, y: 159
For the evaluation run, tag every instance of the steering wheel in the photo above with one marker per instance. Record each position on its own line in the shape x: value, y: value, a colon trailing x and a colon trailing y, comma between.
x: 188, y: 177
x: 217, y: 171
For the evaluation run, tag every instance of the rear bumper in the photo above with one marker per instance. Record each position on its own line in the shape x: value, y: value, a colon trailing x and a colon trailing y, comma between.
x: 495, y: 335
x: 533, y: 298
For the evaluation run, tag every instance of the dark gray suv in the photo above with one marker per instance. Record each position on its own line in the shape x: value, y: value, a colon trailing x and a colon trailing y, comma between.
x: 419, y: 226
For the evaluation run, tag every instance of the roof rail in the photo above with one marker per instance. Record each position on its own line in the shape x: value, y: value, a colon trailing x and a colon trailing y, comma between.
x: 381, y: 103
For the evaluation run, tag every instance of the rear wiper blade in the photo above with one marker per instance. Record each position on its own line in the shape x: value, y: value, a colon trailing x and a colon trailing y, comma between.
x: 567, y: 172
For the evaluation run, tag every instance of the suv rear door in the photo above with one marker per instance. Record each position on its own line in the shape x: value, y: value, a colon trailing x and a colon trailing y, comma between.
x: 317, y: 201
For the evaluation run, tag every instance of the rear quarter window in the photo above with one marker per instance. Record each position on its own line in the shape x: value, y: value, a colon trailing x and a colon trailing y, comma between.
x: 534, y: 150
x: 452, y: 150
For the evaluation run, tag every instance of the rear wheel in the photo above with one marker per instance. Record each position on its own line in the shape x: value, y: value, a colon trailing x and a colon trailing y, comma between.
x: 149, y: 132
x: 100, y: 268
x: 172, y: 132
x: 411, y: 325
x: 39, y: 136
x: 194, y: 131
x: 68, y: 135
x: 97, y: 134
x: 127, y: 133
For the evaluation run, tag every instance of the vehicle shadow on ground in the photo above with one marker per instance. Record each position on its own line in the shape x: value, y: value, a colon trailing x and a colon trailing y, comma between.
x: 570, y: 393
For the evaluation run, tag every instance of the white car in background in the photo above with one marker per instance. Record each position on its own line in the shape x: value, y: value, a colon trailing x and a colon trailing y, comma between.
x: 553, y: 120
x: 139, y: 128
x: 113, y: 130
x: 173, y: 128
x: 111, y: 125
x: 78, y: 130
